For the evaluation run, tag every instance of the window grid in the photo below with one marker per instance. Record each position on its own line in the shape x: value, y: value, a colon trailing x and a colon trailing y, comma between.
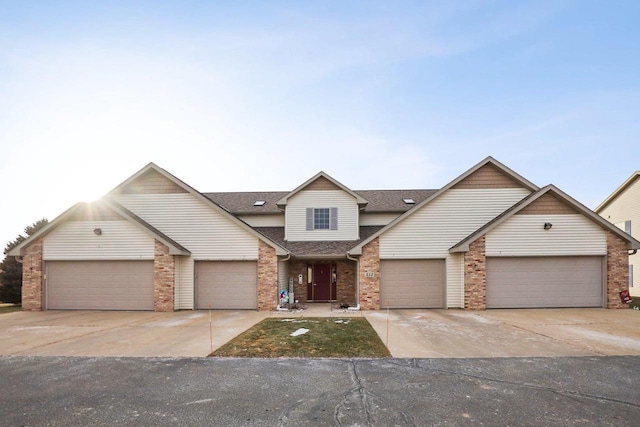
x: 321, y: 219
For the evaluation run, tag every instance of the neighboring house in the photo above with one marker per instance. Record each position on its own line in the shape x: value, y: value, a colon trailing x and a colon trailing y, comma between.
x: 622, y: 208
x: 488, y: 239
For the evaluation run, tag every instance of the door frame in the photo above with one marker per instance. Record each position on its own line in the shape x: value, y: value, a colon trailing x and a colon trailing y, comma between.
x: 312, y: 285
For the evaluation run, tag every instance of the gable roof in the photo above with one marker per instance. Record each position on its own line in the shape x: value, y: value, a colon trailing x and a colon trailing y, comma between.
x: 463, y: 245
x: 618, y: 191
x: 357, y: 250
x: 174, y: 247
x: 359, y: 199
x: 151, y: 166
x: 379, y: 201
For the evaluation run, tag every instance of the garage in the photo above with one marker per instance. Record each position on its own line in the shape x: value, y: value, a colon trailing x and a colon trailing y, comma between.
x: 226, y: 285
x: 99, y: 285
x: 412, y: 283
x: 544, y: 282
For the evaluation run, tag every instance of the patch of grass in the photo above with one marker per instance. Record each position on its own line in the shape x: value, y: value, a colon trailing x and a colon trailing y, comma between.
x: 327, y: 337
x: 635, y: 302
x: 9, y: 308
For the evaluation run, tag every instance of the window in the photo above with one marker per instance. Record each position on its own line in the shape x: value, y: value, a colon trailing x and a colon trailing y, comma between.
x: 627, y: 227
x: 631, y: 275
x: 322, y: 219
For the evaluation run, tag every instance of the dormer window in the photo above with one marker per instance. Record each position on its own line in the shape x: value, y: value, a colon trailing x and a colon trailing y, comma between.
x: 259, y: 203
x: 409, y: 201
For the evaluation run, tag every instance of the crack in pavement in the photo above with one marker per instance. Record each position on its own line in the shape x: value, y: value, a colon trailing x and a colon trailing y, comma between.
x: 568, y: 393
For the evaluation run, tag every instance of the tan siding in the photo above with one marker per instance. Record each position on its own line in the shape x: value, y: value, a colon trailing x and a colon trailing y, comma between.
x: 75, y: 240
x: 94, y: 213
x: 264, y: 220
x: 321, y: 184
x: 487, y: 176
x: 347, y: 216
x: 283, y: 275
x: 445, y: 221
x: 626, y: 207
x: 524, y: 235
x: 455, y: 281
x: 548, y: 204
x: 368, y: 219
x: 194, y: 224
x: 184, y: 290
x: 152, y: 182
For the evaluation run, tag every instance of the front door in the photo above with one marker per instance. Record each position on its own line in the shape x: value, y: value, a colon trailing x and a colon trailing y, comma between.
x: 321, y: 283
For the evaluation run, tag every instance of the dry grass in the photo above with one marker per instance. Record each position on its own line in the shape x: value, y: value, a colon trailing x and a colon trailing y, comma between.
x: 327, y: 337
x: 9, y: 308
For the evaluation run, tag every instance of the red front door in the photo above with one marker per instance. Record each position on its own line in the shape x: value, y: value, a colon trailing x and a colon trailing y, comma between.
x: 321, y: 284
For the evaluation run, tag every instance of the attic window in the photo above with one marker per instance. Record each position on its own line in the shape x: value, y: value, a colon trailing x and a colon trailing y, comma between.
x: 259, y: 203
x: 409, y: 201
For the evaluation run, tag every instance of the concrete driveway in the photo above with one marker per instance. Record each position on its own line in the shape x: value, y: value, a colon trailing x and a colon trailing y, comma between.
x: 509, y: 333
x: 123, y: 333
x: 411, y: 333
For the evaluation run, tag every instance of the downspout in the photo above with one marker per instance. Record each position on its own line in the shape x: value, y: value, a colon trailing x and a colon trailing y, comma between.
x: 278, y: 308
x: 357, y: 261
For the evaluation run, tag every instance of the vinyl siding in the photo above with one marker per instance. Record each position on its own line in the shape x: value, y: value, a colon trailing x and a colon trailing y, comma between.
x: 437, y: 226
x: 263, y: 220
x: 120, y: 240
x: 297, y: 209
x: 626, y: 207
x: 367, y: 219
x: 455, y: 281
x: 283, y: 275
x: 208, y: 234
x: 523, y: 235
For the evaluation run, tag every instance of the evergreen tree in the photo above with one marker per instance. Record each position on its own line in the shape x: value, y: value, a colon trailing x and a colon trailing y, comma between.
x: 11, y: 269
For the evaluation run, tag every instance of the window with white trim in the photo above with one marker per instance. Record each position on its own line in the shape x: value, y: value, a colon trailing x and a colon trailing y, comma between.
x: 322, y: 219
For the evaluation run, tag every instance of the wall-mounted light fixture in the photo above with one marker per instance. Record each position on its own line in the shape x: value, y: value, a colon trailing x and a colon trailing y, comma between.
x: 547, y: 226
x: 97, y: 231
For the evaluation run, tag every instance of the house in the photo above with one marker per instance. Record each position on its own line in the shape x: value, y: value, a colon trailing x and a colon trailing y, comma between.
x: 488, y: 239
x: 622, y: 208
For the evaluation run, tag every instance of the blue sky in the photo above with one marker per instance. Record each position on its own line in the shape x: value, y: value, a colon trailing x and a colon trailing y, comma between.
x: 235, y: 96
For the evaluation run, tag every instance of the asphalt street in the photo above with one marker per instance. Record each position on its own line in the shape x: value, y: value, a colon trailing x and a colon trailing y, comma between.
x: 81, y: 391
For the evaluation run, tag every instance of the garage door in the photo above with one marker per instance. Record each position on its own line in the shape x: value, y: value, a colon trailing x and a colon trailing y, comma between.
x: 412, y: 283
x: 227, y: 285
x: 544, y: 282
x: 99, y: 285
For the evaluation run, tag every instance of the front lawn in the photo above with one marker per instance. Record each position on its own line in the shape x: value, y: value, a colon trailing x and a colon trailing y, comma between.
x: 312, y: 337
x: 9, y: 308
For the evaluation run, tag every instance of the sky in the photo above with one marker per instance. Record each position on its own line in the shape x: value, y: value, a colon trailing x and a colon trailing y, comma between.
x: 260, y: 96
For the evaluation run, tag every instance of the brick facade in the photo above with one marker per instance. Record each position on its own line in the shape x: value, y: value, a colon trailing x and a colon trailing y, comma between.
x: 475, y: 276
x: 297, y: 267
x: 164, y: 267
x: 370, y: 286
x: 617, y: 270
x: 32, y: 277
x: 267, y: 277
x: 346, y: 282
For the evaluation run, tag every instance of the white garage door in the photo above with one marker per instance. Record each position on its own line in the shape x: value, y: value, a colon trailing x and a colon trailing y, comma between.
x: 412, y: 283
x: 544, y: 282
x: 99, y: 285
x: 227, y: 285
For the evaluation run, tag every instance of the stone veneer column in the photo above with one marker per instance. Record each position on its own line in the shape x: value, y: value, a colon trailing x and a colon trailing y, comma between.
x: 267, y: 277
x: 475, y: 276
x: 370, y: 286
x: 32, y: 277
x: 617, y: 270
x: 164, y: 267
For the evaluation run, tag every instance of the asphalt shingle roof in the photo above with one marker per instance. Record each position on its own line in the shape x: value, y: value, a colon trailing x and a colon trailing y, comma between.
x: 239, y: 203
